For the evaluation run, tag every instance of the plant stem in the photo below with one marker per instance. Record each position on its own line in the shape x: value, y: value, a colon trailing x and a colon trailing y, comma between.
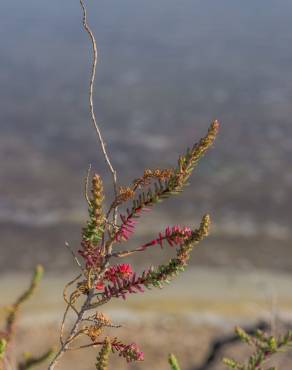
x: 64, y: 348
x: 91, y: 106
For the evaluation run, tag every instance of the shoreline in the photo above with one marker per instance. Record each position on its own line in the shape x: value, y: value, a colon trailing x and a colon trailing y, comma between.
x: 200, y: 295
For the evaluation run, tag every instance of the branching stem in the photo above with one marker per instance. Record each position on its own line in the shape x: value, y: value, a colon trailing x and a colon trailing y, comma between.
x: 74, y: 330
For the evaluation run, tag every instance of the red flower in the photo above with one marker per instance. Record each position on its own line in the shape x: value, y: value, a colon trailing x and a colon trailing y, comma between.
x: 122, y: 271
x: 99, y: 285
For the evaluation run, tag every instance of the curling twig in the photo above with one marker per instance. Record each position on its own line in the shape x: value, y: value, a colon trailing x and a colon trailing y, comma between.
x: 69, y: 305
x: 91, y: 106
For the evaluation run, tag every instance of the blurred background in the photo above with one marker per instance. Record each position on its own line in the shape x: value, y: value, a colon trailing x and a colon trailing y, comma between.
x: 166, y: 70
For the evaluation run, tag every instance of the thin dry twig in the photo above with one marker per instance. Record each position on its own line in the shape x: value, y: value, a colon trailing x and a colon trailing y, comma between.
x: 74, y: 256
x: 65, y: 292
x: 69, y: 305
x: 85, y: 346
x: 74, y: 330
x: 91, y: 106
x: 63, y: 324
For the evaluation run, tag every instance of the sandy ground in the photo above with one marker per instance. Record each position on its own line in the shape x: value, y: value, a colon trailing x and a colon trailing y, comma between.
x: 182, y: 318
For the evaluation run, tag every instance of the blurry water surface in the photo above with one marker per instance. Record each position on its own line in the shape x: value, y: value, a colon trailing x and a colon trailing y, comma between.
x: 166, y: 69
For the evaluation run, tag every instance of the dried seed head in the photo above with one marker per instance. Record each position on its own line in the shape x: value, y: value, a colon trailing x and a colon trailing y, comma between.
x: 125, y: 193
x: 93, y: 331
x: 102, y: 318
x: 97, y: 198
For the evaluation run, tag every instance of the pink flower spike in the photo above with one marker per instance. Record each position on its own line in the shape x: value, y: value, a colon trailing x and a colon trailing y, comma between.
x: 126, y: 229
x: 174, y: 235
x: 130, y: 352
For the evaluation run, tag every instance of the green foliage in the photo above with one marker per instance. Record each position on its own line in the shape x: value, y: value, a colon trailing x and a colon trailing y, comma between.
x: 175, y: 183
x: 10, y: 321
x: 9, y: 333
x: 30, y: 361
x: 103, y: 356
x: 265, y: 347
x: 3, y: 345
x: 92, y: 232
x: 94, y: 229
x: 164, y: 273
x: 173, y: 362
